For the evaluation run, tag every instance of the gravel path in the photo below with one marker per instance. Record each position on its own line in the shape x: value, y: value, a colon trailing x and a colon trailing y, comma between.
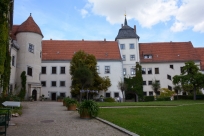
x: 52, y: 119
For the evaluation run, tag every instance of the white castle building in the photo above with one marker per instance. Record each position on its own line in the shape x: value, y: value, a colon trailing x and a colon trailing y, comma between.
x: 47, y: 62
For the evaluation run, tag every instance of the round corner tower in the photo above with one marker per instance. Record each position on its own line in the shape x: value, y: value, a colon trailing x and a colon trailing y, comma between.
x: 29, y: 38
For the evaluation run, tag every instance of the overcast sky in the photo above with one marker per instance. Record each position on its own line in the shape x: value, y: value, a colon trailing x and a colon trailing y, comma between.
x: 156, y: 20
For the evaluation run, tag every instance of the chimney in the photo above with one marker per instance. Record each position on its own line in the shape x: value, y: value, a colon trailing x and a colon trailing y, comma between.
x: 121, y: 25
x: 50, y: 38
x: 82, y: 39
x: 135, y: 28
x: 104, y: 39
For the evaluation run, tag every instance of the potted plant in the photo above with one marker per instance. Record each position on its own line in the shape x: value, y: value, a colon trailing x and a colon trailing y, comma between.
x: 88, y: 109
x: 42, y: 98
x: 64, y: 100
x: 71, y: 104
x: 59, y: 98
x: 31, y: 98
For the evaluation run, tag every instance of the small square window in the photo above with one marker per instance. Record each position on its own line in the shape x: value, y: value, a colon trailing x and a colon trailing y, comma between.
x: 124, y: 57
x: 144, y: 93
x: 132, y: 57
x: 143, y: 71
x: 122, y: 46
x: 144, y: 83
x: 54, y: 70
x: 116, y: 94
x: 156, y: 70
x: 62, y: 83
x: 62, y: 95
x: 62, y: 70
x: 157, y: 81
x: 108, y: 95
x: 132, y: 70
x: 169, y: 77
x: 169, y: 87
x: 107, y: 69
x: 171, y: 66
x: 124, y: 71
x: 53, y: 83
x: 149, y: 70
x: 43, y: 83
x: 29, y: 71
x: 31, y: 48
x: 149, y: 82
x: 150, y: 93
x: 132, y: 46
x: 181, y: 69
x: 43, y: 70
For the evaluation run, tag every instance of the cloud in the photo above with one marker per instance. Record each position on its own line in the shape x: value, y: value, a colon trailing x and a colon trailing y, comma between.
x: 190, y: 14
x: 148, y: 12
x: 84, y: 12
x: 184, y: 14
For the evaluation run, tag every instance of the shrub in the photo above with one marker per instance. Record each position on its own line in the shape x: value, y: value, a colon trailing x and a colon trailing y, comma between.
x: 110, y: 99
x: 148, y: 98
x: 163, y: 99
x: 183, y: 97
x: 89, y: 106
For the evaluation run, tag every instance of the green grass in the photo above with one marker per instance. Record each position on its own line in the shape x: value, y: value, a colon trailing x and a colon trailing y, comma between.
x: 153, y: 103
x: 186, y: 120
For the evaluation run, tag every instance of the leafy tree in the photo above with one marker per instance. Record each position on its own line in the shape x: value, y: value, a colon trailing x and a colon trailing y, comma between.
x: 122, y: 86
x: 155, y: 87
x: 84, y: 76
x: 135, y: 84
x: 82, y: 59
x: 177, y: 89
x: 166, y: 92
x: 190, y: 77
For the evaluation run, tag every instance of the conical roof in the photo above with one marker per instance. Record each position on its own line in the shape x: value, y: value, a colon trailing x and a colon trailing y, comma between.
x: 29, y: 26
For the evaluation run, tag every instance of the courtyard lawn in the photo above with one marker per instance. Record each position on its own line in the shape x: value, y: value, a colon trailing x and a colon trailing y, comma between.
x: 153, y: 103
x: 184, y: 120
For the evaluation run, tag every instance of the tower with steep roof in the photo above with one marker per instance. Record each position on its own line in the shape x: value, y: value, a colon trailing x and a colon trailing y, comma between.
x: 128, y: 39
x: 29, y: 38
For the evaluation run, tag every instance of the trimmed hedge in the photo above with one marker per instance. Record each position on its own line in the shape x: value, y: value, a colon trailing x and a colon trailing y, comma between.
x: 189, y: 97
x: 148, y: 98
x: 109, y: 99
x: 163, y: 99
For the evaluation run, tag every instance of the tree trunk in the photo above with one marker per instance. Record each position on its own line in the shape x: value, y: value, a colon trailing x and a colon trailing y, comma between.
x: 177, y: 96
x: 194, y: 93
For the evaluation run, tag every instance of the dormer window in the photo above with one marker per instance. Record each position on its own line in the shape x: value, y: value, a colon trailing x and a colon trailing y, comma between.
x: 148, y: 56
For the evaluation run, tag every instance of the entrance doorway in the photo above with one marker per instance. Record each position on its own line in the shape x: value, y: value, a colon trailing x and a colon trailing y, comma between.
x: 34, y: 95
x: 53, y: 96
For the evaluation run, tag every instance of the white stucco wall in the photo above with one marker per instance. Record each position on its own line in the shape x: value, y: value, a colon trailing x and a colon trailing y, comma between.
x: 127, y: 63
x: 164, y: 70
x: 115, y: 76
x: 26, y: 58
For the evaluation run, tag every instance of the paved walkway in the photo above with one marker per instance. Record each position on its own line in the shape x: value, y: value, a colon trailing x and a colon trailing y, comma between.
x: 52, y: 119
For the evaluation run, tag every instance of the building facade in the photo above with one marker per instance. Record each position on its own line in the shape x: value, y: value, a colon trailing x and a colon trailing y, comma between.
x: 47, y: 62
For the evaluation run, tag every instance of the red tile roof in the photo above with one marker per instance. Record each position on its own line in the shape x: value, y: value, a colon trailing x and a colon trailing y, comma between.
x: 168, y: 52
x: 200, y: 52
x: 13, y: 31
x: 64, y: 50
x: 29, y: 26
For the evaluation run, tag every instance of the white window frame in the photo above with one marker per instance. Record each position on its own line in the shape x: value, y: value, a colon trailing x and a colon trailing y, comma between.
x: 122, y: 46
x: 64, y: 84
x: 124, y: 57
x: 132, y: 57
x: 61, y: 70
x: 55, y: 82
x: 124, y: 71
x: 51, y: 70
x: 106, y: 72
x: 132, y: 71
x: 132, y: 47
x: 31, y: 48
